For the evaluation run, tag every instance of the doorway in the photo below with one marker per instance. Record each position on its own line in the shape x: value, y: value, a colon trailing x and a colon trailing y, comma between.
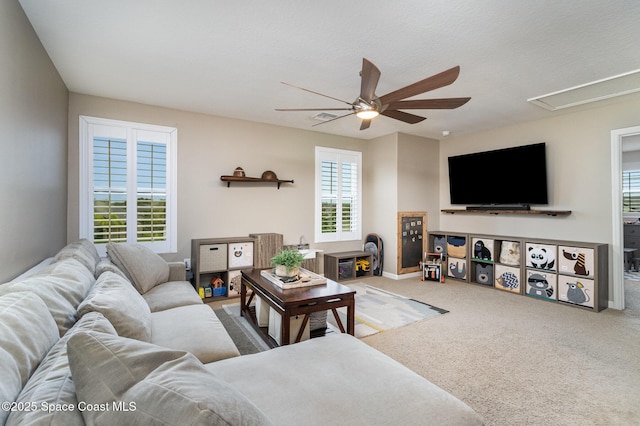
x: 619, y: 139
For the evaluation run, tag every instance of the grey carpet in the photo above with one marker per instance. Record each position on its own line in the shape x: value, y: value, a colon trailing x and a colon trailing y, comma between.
x: 517, y: 360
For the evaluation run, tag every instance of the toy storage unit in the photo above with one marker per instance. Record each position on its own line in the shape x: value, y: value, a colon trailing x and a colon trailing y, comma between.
x: 216, y: 264
x: 343, y: 266
x: 565, y: 272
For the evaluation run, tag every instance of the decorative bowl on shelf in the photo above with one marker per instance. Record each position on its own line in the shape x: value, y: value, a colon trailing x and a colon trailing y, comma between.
x: 269, y: 175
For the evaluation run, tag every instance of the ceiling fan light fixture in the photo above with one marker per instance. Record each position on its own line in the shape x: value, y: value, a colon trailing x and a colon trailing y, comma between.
x: 367, y: 114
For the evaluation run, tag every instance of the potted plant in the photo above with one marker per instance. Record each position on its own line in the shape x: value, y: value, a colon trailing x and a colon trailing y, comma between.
x: 287, y: 263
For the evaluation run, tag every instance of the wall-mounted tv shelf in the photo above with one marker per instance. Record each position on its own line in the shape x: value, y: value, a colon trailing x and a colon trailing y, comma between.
x: 498, y: 211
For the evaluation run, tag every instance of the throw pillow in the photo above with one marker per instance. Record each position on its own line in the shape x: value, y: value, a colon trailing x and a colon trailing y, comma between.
x: 61, y: 285
x: 144, y: 268
x: 107, y: 265
x: 52, y: 382
x: 121, y: 304
x: 156, y: 385
x: 83, y: 251
x: 27, y: 332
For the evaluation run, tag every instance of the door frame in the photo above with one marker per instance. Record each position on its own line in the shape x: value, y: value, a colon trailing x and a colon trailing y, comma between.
x: 617, y: 252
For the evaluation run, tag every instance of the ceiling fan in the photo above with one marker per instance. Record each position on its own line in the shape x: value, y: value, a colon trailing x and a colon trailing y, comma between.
x: 368, y: 106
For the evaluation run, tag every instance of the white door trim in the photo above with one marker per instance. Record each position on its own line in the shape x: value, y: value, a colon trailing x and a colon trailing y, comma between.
x: 616, y: 301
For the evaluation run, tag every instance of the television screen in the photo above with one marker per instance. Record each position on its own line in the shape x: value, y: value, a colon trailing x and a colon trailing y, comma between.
x: 510, y: 176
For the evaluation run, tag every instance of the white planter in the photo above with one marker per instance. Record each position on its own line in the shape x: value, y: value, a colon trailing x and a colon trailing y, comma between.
x: 281, y: 271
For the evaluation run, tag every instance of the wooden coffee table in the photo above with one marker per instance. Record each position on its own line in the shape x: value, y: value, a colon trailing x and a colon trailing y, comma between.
x: 295, y: 301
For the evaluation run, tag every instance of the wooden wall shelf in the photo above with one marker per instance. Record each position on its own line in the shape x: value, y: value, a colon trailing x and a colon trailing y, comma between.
x: 230, y: 179
x: 498, y: 211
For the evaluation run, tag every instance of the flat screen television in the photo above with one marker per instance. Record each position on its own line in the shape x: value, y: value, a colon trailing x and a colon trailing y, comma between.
x: 513, y: 177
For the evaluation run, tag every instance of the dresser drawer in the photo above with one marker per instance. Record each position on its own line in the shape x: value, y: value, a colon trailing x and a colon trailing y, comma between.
x: 213, y: 257
x: 632, y: 242
x: 631, y: 231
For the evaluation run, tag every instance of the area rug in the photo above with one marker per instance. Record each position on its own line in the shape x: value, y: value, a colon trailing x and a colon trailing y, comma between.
x: 244, y: 336
x: 379, y: 310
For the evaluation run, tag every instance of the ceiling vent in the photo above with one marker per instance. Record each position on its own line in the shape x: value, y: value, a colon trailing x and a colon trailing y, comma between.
x: 606, y: 88
x: 325, y: 116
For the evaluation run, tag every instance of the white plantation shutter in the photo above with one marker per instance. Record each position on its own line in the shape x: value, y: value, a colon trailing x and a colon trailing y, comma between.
x: 109, y: 190
x: 128, y: 184
x: 631, y: 191
x: 338, y: 195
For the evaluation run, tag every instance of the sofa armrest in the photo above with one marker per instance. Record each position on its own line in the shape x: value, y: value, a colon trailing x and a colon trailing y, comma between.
x: 177, y: 271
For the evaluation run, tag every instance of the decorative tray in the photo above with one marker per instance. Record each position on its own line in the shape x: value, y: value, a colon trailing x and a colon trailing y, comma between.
x: 305, y: 279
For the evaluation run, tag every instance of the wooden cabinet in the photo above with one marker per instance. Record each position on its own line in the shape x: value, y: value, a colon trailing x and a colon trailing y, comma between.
x: 216, y: 264
x: 566, y: 272
x: 344, y: 266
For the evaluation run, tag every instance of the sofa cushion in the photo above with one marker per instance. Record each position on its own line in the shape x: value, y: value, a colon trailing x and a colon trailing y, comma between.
x: 167, y: 386
x: 27, y: 332
x: 195, y: 329
x: 144, y: 268
x: 61, y: 285
x: 83, y: 251
x: 107, y: 265
x: 52, y: 382
x: 309, y: 380
x: 121, y: 304
x: 171, y: 295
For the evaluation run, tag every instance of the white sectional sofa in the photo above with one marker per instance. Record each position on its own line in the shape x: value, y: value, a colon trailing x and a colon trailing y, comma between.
x: 126, y: 340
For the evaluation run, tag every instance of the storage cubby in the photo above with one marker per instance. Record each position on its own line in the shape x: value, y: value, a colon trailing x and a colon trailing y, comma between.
x: 483, y: 254
x: 344, y: 265
x: 216, y: 263
x: 455, y: 250
x: 541, y: 284
x: 565, y: 272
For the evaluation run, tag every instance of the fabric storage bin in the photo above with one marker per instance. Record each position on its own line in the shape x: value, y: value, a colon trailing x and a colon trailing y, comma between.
x: 345, y: 269
x: 262, y: 312
x: 213, y: 257
x: 275, y: 325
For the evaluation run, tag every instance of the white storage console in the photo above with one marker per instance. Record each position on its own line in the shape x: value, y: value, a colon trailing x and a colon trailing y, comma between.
x: 567, y: 272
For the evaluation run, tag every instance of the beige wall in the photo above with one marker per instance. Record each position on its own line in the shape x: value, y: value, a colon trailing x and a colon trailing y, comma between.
x: 578, y: 170
x: 210, y: 146
x: 33, y: 119
x: 579, y: 174
x: 402, y: 177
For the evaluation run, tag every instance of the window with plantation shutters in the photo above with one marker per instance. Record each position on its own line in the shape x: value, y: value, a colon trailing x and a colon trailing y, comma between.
x: 128, y: 184
x: 631, y: 191
x: 338, y: 195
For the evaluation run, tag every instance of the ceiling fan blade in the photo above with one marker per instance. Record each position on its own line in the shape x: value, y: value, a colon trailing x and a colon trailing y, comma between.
x: 370, y: 75
x: 430, y: 83
x: 333, y: 119
x: 365, y: 124
x: 403, y: 116
x: 314, y: 109
x: 449, y: 103
x: 316, y: 93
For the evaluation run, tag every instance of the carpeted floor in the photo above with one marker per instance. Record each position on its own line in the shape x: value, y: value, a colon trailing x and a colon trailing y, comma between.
x: 522, y: 361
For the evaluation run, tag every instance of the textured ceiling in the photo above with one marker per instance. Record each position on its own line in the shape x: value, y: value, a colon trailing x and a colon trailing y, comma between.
x: 228, y: 58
